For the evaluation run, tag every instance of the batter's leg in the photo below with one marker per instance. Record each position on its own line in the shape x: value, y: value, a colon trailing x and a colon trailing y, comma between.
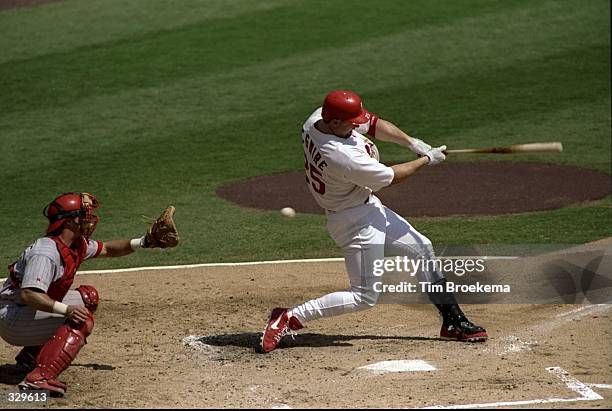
x: 361, y: 295
x: 403, y: 239
x: 361, y: 235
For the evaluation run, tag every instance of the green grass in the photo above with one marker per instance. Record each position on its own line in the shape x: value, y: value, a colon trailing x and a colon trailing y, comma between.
x: 150, y: 103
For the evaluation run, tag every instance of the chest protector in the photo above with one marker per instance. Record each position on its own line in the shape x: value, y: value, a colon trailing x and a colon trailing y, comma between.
x: 71, y: 259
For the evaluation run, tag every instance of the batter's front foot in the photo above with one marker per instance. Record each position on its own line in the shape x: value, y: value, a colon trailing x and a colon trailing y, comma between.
x: 279, y: 325
x: 463, y: 330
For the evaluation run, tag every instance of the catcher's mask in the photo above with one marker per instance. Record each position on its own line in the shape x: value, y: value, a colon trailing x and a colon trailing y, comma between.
x: 70, y: 205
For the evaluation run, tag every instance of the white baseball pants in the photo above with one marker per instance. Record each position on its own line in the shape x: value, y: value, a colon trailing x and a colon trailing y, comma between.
x: 365, y: 233
x: 23, y: 326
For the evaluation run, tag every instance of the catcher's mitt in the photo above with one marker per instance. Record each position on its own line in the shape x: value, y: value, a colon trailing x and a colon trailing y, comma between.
x: 163, y: 232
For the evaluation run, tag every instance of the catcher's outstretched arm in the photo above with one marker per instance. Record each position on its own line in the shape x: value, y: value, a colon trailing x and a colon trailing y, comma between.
x: 116, y: 248
x: 161, y: 234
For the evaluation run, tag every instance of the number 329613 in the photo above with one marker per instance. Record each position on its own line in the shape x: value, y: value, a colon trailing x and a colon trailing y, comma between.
x: 39, y: 396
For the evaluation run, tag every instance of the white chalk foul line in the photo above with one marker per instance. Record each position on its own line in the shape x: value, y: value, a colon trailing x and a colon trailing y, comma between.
x: 604, y: 386
x: 586, y: 393
x: 176, y: 267
x: 571, y: 315
x: 516, y: 344
x: 305, y: 260
x: 583, y: 390
x: 576, y: 313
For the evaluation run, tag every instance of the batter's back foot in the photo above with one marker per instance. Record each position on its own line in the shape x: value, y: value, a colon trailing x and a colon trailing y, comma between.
x: 463, y: 330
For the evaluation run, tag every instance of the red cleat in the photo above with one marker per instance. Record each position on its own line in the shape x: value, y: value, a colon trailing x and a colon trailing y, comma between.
x: 279, y: 325
x: 56, y: 388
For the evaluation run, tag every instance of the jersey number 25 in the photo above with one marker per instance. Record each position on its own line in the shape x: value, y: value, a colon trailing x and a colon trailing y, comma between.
x: 315, y: 174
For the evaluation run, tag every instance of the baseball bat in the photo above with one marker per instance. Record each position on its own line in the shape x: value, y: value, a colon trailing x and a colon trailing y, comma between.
x: 548, y: 147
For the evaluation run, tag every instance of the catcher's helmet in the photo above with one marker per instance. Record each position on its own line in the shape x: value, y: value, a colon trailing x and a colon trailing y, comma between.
x: 70, y: 205
x: 344, y: 105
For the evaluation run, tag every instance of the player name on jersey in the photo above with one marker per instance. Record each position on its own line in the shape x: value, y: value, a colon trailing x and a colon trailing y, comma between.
x: 316, y: 157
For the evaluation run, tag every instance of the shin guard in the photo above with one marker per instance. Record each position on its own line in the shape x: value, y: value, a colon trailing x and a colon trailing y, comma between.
x: 59, y: 352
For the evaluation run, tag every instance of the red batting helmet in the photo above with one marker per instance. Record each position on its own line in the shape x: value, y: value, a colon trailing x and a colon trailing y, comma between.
x: 70, y: 205
x: 344, y: 105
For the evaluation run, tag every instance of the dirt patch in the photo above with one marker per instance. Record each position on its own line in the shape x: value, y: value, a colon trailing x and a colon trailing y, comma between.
x: 14, y: 4
x: 137, y: 357
x: 454, y: 188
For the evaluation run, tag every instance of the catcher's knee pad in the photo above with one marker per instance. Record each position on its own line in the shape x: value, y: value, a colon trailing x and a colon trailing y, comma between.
x: 85, y: 328
x: 90, y: 297
x: 61, y: 349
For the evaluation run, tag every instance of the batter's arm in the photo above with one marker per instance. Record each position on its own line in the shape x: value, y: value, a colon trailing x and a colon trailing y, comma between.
x: 390, y: 133
x: 405, y: 170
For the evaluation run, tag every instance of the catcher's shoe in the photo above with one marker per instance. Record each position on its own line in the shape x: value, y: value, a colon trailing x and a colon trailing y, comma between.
x: 26, y: 359
x: 463, y: 330
x: 279, y: 325
x: 56, y: 388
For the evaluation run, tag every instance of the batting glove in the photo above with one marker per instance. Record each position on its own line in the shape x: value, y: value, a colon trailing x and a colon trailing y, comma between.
x: 419, y: 146
x: 436, y: 155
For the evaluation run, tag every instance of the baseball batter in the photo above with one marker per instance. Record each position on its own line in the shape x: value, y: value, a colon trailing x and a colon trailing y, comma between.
x: 342, y: 172
x: 38, y: 311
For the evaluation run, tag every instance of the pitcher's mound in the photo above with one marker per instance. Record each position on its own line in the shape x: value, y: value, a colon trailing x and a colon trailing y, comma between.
x: 454, y: 188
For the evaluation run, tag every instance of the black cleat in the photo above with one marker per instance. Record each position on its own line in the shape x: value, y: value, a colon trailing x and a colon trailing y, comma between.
x: 463, y: 330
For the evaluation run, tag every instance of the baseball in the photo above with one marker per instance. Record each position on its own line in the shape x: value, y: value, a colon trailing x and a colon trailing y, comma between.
x: 288, y: 212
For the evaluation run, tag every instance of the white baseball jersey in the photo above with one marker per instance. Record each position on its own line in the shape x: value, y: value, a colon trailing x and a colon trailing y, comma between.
x: 341, y: 176
x: 339, y: 171
x: 40, y: 265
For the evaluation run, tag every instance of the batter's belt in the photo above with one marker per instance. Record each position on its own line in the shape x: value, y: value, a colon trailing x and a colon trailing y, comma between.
x: 364, y: 202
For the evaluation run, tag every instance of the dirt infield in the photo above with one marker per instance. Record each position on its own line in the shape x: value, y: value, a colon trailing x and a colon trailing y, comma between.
x: 136, y: 356
x: 455, y: 188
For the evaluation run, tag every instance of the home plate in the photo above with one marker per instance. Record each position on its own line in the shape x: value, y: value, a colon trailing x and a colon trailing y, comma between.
x: 384, y: 367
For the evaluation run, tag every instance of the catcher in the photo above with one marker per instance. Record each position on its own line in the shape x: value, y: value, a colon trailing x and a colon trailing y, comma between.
x: 38, y: 311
